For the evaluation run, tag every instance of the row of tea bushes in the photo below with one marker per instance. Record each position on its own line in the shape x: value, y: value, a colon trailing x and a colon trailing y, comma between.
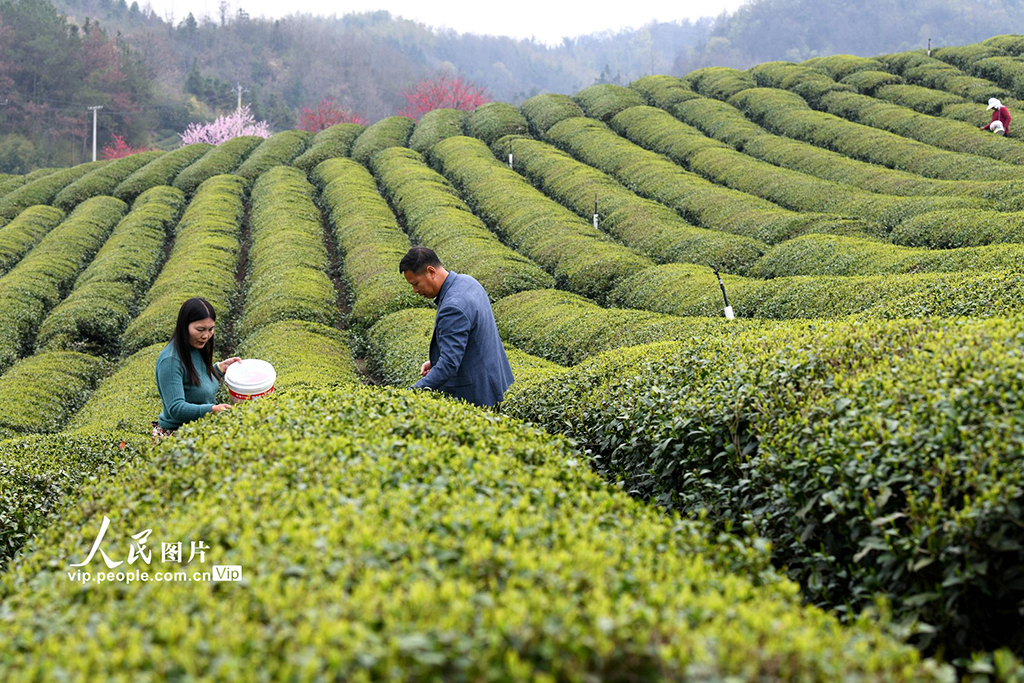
x: 40, y: 474
x: 726, y: 123
x: 679, y: 289
x: 605, y: 100
x: 397, y: 347
x: 202, y: 263
x: 42, y: 190
x: 939, y: 132
x: 303, y: 353
x: 10, y: 182
x: 41, y: 279
x: 436, y: 216
x: 663, y: 91
x: 102, y: 180
x: 393, y: 131
x: 839, y: 67
x: 329, y: 143
x: 436, y: 125
x: 697, y: 199
x: 221, y: 159
x: 718, y: 82
x: 582, y: 258
x: 24, y: 232
x: 544, y: 111
x: 104, y: 299
x: 856, y: 448
x: 370, y: 240
x: 407, y: 546
x: 650, y: 228
x: 661, y: 132
x: 494, y: 120
x: 567, y: 328
x: 39, y: 393
x: 161, y: 171
x: 870, y: 82
x: 280, y: 148
x: 925, y: 100
x: 287, y: 278
x: 962, y: 228
x: 834, y: 255
x: 126, y: 400
x: 787, y: 114
x: 809, y: 84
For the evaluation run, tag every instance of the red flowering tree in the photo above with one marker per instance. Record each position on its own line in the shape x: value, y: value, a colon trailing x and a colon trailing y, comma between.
x: 118, y: 149
x: 327, y: 113
x: 444, y: 91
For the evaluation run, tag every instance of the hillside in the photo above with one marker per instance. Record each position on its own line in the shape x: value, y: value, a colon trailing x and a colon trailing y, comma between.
x: 828, y: 486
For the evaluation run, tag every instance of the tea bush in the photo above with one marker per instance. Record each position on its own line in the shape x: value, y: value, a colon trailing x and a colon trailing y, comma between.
x: 393, y: 131
x: 371, y: 242
x: 494, y: 120
x: 329, y: 143
x: 104, y: 299
x: 40, y: 280
x: 102, y: 180
x: 19, y: 236
x: 202, y: 262
x: 224, y: 158
x: 41, y: 392
x: 436, y: 125
x: 391, y: 545
x: 544, y: 111
x: 606, y: 100
x: 437, y: 217
x: 303, y: 353
x: 582, y: 258
x: 663, y: 91
x: 650, y: 228
x: 287, y: 277
x: 280, y: 148
x: 42, y: 190
x: 161, y: 171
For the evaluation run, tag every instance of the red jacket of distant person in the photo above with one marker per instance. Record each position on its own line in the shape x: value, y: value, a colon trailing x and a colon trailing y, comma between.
x: 1002, y: 114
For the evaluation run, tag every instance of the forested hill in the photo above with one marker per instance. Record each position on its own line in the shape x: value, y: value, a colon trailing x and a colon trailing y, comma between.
x: 156, y: 74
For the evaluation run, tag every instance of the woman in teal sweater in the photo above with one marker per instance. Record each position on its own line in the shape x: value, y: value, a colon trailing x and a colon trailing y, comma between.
x: 186, y: 376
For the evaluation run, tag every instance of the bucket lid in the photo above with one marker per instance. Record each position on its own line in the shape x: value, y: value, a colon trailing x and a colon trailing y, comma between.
x: 250, y: 376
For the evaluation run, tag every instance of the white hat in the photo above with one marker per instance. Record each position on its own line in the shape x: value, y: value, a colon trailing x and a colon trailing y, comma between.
x: 993, y: 103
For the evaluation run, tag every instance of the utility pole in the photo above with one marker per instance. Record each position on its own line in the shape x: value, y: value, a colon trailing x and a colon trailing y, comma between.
x: 240, y: 91
x: 94, y: 110
x: 929, y: 47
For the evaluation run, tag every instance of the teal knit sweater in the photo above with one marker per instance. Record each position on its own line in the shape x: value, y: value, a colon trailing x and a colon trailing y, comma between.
x: 182, y: 400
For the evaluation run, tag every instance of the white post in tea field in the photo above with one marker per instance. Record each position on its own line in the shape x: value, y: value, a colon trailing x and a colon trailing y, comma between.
x: 595, y: 212
x: 728, y: 309
x: 94, y: 110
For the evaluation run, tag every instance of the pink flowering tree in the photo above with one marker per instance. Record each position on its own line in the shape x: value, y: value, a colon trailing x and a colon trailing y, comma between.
x: 444, y: 91
x: 327, y: 113
x: 118, y: 149
x: 238, y: 123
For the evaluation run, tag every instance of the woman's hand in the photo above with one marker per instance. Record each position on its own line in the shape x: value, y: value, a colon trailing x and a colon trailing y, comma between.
x: 227, y: 363
x: 221, y: 406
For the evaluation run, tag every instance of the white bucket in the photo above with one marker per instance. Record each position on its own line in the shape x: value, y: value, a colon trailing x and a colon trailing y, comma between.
x: 250, y: 378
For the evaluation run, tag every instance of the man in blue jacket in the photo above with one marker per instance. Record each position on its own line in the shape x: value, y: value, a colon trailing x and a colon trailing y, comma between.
x: 467, y: 359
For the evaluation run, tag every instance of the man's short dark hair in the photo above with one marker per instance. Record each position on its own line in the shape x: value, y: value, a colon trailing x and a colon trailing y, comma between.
x: 417, y: 259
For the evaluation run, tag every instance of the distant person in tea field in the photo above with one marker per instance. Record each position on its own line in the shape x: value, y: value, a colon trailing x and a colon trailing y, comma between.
x: 1000, y: 124
x: 466, y: 358
x: 186, y: 376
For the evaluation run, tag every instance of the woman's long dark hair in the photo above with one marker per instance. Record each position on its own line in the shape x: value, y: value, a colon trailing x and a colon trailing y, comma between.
x: 192, y: 310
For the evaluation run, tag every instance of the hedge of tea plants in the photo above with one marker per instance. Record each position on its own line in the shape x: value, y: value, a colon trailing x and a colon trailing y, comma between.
x: 102, y: 180
x: 436, y: 125
x: 223, y: 158
x: 203, y: 262
x: 605, y: 100
x: 370, y: 239
x: 494, y: 120
x: 857, y: 448
x: 329, y: 143
x: 582, y: 258
x: 46, y: 274
x: 42, y: 190
x: 387, y: 544
x: 437, y: 217
x: 393, y: 131
x: 104, y: 299
x: 41, y: 392
x: 280, y: 148
x: 287, y: 278
x: 544, y: 111
x: 24, y: 232
x: 161, y: 171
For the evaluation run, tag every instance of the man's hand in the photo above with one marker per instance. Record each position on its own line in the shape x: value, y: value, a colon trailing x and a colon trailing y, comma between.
x: 424, y: 369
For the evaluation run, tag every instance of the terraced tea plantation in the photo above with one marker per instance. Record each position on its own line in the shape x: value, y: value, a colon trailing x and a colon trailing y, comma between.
x: 829, y: 486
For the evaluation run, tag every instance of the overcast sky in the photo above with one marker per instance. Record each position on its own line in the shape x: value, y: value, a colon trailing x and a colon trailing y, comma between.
x: 547, y: 21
